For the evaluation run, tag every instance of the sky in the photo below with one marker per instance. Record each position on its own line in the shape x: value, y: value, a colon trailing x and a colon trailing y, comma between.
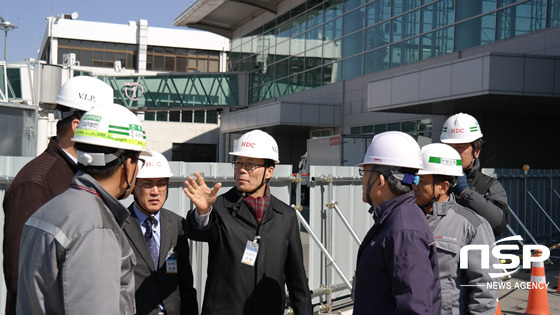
x: 29, y: 17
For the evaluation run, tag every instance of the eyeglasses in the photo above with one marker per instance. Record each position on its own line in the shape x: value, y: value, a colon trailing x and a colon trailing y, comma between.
x: 149, y: 186
x: 249, y: 167
x: 362, y: 171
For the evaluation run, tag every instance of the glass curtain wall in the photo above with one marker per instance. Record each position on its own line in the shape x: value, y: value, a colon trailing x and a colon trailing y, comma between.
x: 326, y: 41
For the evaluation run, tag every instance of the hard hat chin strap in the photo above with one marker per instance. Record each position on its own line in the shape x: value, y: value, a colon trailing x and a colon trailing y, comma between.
x: 434, y: 198
x: 368, y: 187
x: 263, y: 182
x: 128, y: 184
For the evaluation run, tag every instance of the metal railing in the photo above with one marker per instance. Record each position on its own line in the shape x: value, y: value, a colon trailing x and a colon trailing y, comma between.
x: 333, y: 217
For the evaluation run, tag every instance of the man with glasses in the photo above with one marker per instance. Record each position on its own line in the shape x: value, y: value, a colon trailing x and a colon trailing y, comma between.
x: 254, y: 242
x: 74, y: 257
x: 396, y: 268
x: 163, y: 273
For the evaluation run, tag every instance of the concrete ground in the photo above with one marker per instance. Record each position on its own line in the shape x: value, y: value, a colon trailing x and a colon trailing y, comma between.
x: 513, y: 296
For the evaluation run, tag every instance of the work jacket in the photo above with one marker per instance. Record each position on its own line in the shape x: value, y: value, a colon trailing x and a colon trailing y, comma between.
x: 74, y: 257
x: 397, y: 271
x: 463, y: 291
x: 487, y: 197
x: 40, y: 180
x: 233, y: 287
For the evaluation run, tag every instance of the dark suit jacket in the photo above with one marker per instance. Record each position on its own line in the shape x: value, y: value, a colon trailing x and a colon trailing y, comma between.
x: 154, y: 286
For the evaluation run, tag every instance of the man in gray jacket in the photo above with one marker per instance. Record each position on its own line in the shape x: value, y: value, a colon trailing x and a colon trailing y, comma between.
x: 74, y: 257
x: 463, y: 291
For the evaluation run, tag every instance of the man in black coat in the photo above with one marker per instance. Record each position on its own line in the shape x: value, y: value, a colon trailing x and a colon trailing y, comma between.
x: 475, y: 190
x: 254, y: 242
x: 164, y: 280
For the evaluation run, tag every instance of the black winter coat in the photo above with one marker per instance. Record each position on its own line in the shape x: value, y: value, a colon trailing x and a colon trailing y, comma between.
x: 236, y: 288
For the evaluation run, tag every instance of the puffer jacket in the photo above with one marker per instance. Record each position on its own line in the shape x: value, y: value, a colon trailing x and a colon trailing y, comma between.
x: 487, y: 197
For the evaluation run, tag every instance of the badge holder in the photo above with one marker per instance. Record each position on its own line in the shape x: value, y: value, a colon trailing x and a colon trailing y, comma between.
x: 171, y: 261
x: 251, y: 252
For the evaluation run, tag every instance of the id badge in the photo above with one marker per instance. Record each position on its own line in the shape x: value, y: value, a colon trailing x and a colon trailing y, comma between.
x: 251, y: 252
x: 171, y: 262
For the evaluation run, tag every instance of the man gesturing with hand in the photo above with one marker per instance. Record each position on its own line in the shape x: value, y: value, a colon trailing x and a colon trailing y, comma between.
x: 253, y: 237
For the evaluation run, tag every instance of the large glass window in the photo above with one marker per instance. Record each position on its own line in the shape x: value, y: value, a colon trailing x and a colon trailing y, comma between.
x: 353, y: 44
x: 438, y: 14
x: 405, y: 26
x: 554, y: 13
x: 471, y: 8
x: 404, y: 52
x: 324, y: 41
x: 377, y: 36
x: 172, y: 59
x: 352, y: 67
x: 354, y: 21
x: 333, y: 29
x: 475, y: 32
x: 521, y: 19
x: 376, y: 60
x: 401, y: 6
x: 436, y: 43
x: 97, y: 54
x: 378, y: 11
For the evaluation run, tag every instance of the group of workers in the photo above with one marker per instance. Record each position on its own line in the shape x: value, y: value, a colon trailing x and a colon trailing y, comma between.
x: 71, y: 247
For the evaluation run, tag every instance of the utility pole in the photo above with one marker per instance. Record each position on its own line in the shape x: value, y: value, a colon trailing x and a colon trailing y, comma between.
x: 6, y: 26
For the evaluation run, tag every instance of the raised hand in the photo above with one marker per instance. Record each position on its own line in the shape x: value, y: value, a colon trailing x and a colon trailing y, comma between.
x: 202, y: 196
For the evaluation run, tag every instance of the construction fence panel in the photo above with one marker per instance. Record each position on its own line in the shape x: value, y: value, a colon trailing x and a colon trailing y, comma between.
x: 531, y: 194
x: 338, y: 186
x: 332, y: 192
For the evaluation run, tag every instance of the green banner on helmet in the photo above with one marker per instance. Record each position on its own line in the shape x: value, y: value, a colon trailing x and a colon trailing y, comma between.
x: 111, y: 135
x: 444, y: 161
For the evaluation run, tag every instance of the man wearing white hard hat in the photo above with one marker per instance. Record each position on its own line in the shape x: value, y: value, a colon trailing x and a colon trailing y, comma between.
x: 475, y: 190
x: 396, y: 268
x: 463, y: 291
x: 254, y: 242
x: 49, y: 174
x: 74, y: 257
x: 163, y: 273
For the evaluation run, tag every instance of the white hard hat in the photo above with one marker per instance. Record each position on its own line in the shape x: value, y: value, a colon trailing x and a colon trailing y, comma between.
x: 155, y: 166
x: 441, y: 159
x: 112, y: 126
x: 460, y: 128
x: 393, y: 148
x: 84, y: 93
x: 256, y: 144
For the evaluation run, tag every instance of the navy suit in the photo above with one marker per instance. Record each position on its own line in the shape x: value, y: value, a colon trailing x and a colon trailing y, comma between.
x: 154, y: 286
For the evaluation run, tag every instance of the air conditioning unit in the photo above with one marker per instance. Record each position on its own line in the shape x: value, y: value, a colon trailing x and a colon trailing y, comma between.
x: 68, y: 59
x: 117, y: 66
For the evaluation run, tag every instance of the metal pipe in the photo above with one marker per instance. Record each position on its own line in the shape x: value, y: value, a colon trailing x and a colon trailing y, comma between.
x: 328, y: 178
x: 544, y: 211
x: 323, y: 249
x: 522, y: 225
x: 513, y: 233
x: 226, y: 179
x: 554, y: 190
x: 346, y: 223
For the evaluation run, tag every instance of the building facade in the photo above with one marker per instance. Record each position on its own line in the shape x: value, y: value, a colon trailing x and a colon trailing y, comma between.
x: 360, y: 67
x: 170, y: 77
